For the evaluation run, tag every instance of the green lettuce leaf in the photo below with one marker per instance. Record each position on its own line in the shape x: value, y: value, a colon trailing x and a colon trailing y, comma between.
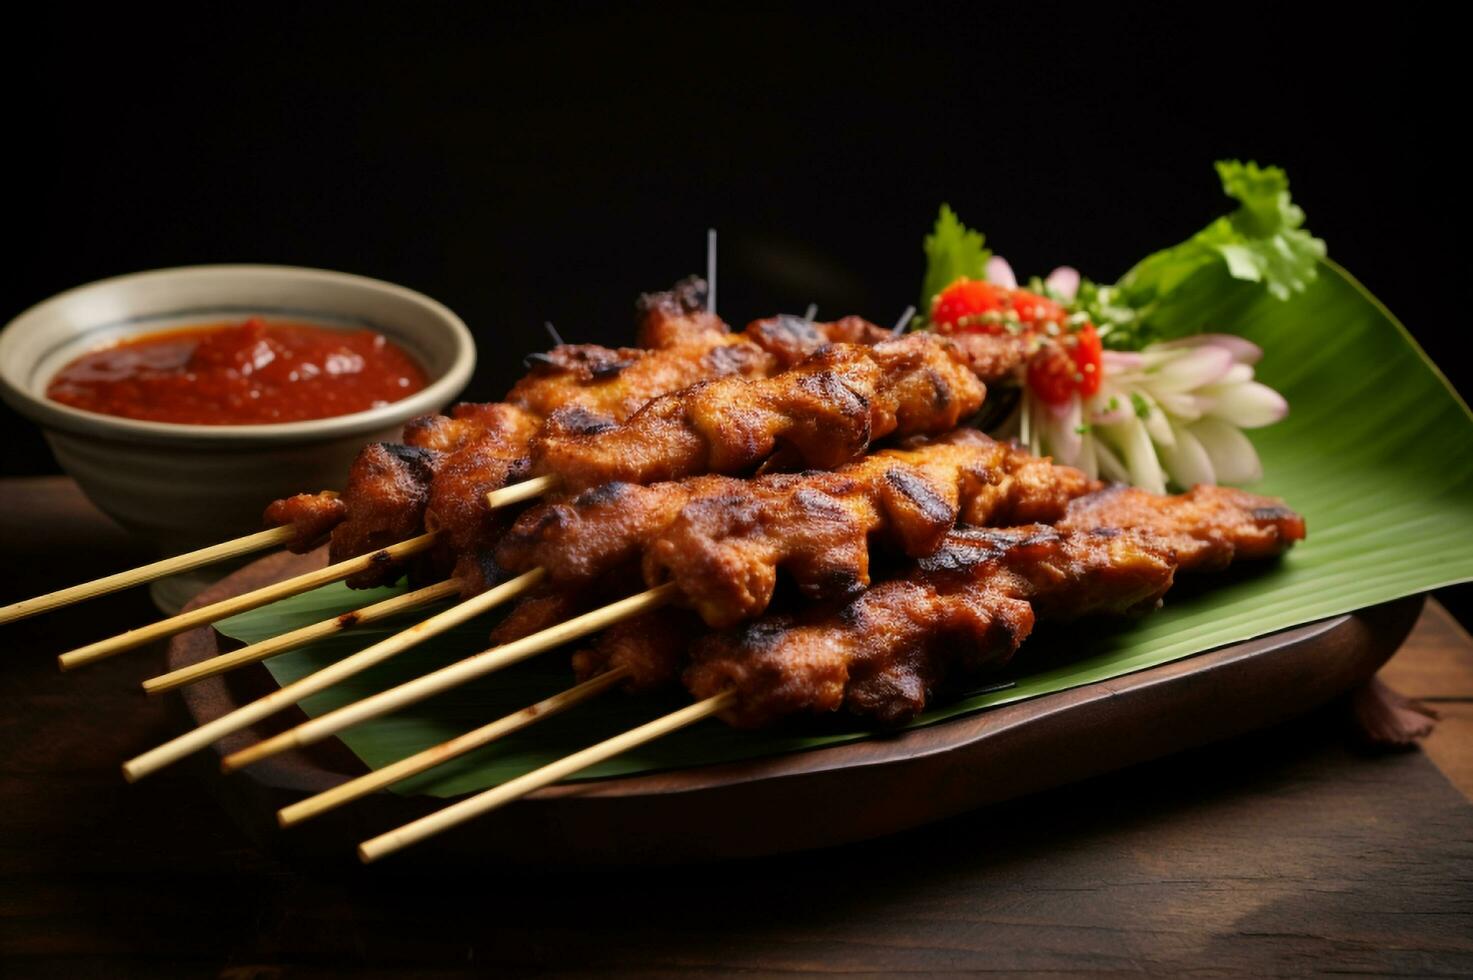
x: 1263, y: 241
x: 952, y: 250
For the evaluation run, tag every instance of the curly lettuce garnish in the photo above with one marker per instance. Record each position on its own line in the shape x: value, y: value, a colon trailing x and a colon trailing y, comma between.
x: 1263, y: 241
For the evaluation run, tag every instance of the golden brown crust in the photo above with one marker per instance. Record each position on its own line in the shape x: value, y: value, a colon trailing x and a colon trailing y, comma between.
x: 598, y: 532
x: 469, y: 422
x: 617, y: 383
x: 792, y: 338
x: 824, y: 411
x: 385, y: 497
x: 724, y: 540
x: 456, y: 507
x: 1207, y: 528
x: 533, y: 615
x: 652, y: 648
x: 572, y: 389
x: 950, y: 620
x: 311, y: 515
x: 965, y: 609
x: 676, y: 317
x: 993, y: 357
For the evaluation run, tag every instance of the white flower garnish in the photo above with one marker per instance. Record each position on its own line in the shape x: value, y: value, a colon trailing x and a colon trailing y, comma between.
x: 1171, y: 412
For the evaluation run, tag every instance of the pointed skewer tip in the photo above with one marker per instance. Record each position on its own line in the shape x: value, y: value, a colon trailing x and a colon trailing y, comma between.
x: 903, y: 322
x: 711, y: 270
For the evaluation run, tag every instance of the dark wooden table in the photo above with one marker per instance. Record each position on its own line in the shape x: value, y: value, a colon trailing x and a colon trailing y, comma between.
x: 1285, y: 852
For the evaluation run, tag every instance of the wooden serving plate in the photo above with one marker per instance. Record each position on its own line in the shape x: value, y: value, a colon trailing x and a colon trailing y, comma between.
x: 806, y: 799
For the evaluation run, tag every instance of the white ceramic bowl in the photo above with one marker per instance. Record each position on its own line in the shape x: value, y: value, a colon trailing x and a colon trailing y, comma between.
x: 185, y: 486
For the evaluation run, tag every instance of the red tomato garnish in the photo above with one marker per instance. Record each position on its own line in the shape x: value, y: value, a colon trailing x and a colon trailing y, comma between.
x: 973, y: 306
x: 1067, y: 361
x: 1088, y: 355
x: 962, y: 307
x: 1051, y: 374
x: 1067, y: 365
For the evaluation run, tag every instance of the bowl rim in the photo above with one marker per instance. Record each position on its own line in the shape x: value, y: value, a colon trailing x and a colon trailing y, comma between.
x: 438, y: 393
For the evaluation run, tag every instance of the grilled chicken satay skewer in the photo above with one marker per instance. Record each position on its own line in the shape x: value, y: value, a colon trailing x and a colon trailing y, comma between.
x: 979, y: 597
x: 916, y: 396
x: 829, y: 407
x: 904, y: 406
x: 397, y: 480
x: 826, y: 410
x: 448, y: 465
x: 1202, y: 530
x: 724, y: 540
x: 989, y: 357
x: 816, y: 525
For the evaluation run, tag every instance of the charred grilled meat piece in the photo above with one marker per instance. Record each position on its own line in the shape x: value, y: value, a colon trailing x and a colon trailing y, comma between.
x: 819, y: 528
x: 484, y: 446
x: 680, y: 344
x: 993, y: 357
x: 827, y: 410
x: 959, y: 613
x: 457, y: 508
x: 966, y: 609
x: 469, y: 422
x: 582, y: 386
x: 792, y: 338
x: 652, y: 647
x: 723, y: 540
x: 388, y: 488
x: 1207, y: 528
x: 599, y: 531
x: 677, y: 316
x: 311, y: 515
x: 617, y: 383
x: 534, y: 614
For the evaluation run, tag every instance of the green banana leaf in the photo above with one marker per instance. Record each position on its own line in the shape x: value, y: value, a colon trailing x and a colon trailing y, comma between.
x: 1377, y: 452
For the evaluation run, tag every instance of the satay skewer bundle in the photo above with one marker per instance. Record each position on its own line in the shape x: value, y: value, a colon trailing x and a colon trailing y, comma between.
x: 722, y: 468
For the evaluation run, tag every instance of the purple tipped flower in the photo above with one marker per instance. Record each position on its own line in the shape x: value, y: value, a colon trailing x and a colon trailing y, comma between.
x: 1170, y: 413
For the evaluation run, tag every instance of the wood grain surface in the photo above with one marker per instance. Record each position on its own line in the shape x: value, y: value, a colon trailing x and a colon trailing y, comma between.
x: 1287, y: 852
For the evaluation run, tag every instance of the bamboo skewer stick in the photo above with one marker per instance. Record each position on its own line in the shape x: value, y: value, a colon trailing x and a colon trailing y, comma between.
x: 457, y: 813
x: 518, y: 492
x: 259, y: 541
x: 249, y: 714
x: 374, y: 613
x: 451, y: 676
x: 439, y: 754
x: 241, y: 603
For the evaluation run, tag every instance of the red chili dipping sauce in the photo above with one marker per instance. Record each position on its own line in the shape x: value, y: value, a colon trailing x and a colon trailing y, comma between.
x: 239, y: 374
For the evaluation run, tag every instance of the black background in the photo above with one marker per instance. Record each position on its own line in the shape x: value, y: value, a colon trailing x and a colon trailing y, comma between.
x: 548, y: 162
